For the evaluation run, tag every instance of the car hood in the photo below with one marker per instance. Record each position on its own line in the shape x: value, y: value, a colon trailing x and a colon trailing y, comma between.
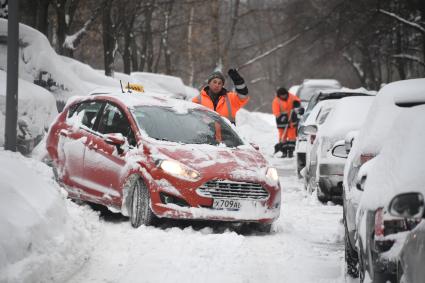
x: 244, y: 163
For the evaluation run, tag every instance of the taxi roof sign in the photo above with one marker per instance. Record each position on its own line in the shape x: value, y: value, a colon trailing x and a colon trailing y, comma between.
x: 133, y: 87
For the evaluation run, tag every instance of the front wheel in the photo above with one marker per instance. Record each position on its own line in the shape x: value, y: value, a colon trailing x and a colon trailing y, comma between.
x: 141, y: 212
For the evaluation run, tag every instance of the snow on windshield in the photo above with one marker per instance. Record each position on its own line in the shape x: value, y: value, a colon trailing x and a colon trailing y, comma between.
x: 192, y: 127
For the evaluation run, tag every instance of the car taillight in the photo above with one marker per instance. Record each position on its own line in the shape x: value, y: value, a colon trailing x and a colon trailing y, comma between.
x: 379, y: 223
x: 366, y: 157
x: 312, y: 138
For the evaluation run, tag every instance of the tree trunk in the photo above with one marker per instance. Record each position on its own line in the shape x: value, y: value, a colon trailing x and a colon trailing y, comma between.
x: 147, y: 46
x: 108, y: 39
x: 215, y: 31
x: 42, y: 16
x: 189, y: 45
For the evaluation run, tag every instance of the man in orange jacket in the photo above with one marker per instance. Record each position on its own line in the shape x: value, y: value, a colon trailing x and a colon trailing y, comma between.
x: 224, y: 102
x: 286, y: 107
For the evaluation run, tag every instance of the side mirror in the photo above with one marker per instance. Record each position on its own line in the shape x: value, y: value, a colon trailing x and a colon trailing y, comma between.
x: 115, y: 139
x: 339, y: 150
x: 310, y: 129
x: 408, y: 205
x: 349, y: 139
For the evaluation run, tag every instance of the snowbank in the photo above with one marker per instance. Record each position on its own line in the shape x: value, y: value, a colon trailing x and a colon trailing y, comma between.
x: 36, y: 106
x: 39, y: 241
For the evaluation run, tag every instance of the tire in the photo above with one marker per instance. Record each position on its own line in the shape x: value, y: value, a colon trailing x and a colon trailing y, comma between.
x: 140, y: 210
x: 351, y: 257
x: 262, y: 227
x: 362, y: 268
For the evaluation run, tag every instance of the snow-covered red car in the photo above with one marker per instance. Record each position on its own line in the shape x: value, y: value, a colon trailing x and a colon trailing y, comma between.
x: 151, y: 157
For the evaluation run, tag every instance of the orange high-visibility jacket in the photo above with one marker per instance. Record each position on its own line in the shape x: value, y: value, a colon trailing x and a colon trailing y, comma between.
x: 227, y: 105
x: 280, y: 106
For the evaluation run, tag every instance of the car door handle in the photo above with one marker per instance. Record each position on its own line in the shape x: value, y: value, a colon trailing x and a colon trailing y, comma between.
x: 64, y: 132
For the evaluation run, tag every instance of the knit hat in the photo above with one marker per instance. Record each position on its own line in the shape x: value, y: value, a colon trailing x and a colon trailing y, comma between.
x: 281, y: 91
x: 216, y: 75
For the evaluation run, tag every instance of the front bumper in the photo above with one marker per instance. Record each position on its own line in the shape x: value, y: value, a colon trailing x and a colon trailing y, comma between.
x: 189, y: 204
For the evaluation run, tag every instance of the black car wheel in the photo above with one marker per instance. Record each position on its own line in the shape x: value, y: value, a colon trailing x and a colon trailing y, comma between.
x: 140, y: 212
x: 351, y: 257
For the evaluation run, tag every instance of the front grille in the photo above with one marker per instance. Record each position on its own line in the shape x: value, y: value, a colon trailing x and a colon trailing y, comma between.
x: 232, y: 190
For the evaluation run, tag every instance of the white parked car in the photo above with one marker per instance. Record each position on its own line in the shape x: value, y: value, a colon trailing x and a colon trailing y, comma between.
x: 398, y: 170
x: 325, y: 169
x: 318, y: 116
x: 309, y: 87
x: 320, y: 95
x: 368, y: 143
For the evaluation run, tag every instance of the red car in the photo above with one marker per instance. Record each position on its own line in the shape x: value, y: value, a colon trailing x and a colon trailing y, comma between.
x: 151, y: 157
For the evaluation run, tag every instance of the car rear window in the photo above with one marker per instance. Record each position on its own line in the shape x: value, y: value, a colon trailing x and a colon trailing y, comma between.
x: 192, y: 127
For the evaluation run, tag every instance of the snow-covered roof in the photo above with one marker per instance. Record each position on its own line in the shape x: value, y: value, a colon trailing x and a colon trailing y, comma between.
x: 349, y: 90
x: 384, y: 111
x: 321, y: 82
x: 398, y: 168
x: 133, y: 99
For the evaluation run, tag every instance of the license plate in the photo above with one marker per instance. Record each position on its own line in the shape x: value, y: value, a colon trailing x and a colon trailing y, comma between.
x: 231, y: 204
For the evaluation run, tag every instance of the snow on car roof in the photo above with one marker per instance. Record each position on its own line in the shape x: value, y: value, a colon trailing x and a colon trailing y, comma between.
x: 321, y: 82
x: 348, y: 114
x: 349, y: 90
x: 407, y: 91
x: 134, y: 98
x: 384, y: 111
x: 399, y: 166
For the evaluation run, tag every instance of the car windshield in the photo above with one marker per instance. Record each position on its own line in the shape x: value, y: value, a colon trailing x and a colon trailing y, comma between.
x: 192, y: 127
x: 306, y: 92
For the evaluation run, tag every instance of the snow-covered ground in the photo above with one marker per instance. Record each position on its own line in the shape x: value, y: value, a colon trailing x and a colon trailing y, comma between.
x: 306, y: 244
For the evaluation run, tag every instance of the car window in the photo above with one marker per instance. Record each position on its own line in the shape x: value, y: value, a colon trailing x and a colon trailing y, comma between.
x: 84, y: 113
x: 323, y: 114
x: 192, y: 127
x: 113, y: 120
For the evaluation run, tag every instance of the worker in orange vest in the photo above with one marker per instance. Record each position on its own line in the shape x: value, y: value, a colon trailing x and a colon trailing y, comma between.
x: 286, y: 107
x: 224, y: 102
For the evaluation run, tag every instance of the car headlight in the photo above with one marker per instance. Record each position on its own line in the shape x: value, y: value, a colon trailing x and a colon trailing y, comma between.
x: 271, y: 173
x: 179, y: 170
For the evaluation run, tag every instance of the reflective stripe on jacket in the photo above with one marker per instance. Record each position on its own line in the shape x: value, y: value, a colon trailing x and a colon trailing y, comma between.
x: 227, y: 105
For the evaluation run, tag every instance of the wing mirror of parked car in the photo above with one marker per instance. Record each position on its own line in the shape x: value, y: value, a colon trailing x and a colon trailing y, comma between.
x: 338, y: 150
x: 408, y: 205
x: 310, y: 129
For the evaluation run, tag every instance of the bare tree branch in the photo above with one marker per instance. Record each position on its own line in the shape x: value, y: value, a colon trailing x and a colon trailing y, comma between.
x: 403, y: 20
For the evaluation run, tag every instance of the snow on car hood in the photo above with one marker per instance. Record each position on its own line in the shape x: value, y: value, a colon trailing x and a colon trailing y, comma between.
x: 243, y: 162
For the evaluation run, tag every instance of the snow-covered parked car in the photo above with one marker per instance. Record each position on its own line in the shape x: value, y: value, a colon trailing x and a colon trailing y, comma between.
x: 325, y: 168
x: 318, y: 116
x: 368, y: 143
x: 149, y: 157
x: 310, y: 86
x: 36, y: 110
x: 320, y: 95
x: 393, y: 197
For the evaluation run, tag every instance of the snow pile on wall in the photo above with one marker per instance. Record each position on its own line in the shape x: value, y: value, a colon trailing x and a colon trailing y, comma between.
x: 39, y: 241
x: 36, y: 106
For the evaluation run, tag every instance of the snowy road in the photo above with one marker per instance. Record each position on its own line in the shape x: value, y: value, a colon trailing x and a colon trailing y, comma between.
x: 306, y: 245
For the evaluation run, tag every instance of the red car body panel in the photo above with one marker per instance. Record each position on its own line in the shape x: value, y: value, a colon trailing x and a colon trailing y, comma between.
x: 93, y: 170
